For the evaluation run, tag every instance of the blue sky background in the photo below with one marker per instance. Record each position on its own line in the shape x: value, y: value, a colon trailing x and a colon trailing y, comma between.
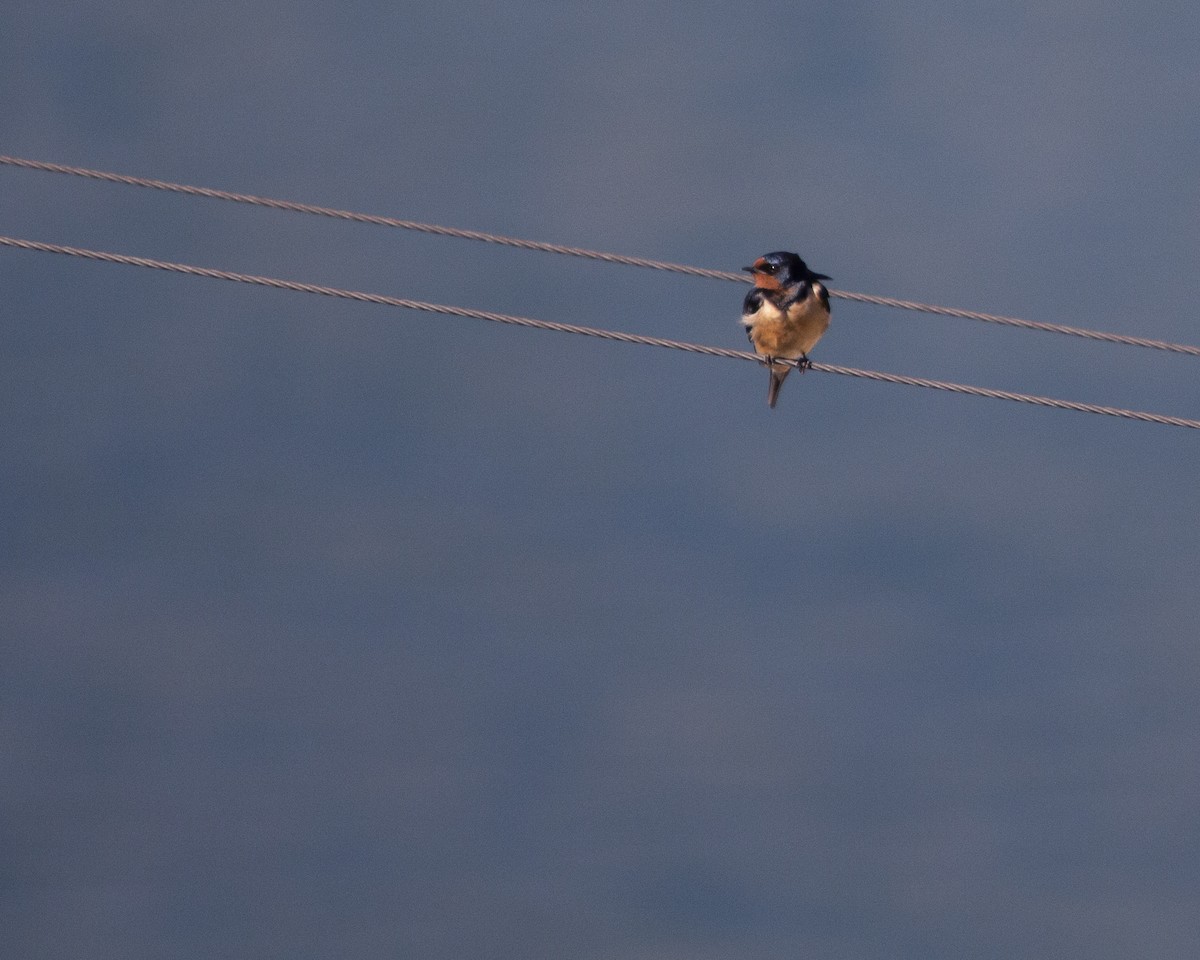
x: 331, y: 630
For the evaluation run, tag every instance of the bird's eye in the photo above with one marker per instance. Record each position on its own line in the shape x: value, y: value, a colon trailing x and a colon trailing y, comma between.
x: 768, y: 268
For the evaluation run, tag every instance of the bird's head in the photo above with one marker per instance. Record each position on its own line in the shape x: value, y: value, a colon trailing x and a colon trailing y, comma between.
x: 775, y: 271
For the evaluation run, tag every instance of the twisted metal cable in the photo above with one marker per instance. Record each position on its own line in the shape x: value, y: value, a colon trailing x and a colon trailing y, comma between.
x: 493, y: 238
x: 295, y: 207
x: 640, y: 339
x: 1023, y: 324
x: 1008, y: 395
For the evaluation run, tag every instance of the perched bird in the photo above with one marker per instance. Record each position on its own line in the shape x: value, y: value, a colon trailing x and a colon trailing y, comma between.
x: 785, y: 314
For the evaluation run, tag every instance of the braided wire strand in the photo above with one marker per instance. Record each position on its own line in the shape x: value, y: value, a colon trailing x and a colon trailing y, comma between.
x: 640, y: 339
x: 616, y: 258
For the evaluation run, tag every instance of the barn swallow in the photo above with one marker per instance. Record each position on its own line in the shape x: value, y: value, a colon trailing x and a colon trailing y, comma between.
x: 785, y: 314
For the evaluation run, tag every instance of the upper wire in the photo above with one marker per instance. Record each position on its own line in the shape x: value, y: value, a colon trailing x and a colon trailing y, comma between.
x: 295, y: 207
x: 640, y: 339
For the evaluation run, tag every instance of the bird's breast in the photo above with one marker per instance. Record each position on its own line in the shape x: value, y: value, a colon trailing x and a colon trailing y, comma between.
x: 776, y: 333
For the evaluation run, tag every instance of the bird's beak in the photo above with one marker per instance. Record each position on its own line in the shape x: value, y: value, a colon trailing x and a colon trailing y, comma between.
x: 750, y: 269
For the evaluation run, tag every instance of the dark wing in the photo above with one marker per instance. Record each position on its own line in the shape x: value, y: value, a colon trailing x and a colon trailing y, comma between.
x: 751, y: 306
x: 822, y: 293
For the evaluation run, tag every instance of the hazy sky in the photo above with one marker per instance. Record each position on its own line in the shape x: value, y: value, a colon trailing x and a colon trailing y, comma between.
x: 329, y: 630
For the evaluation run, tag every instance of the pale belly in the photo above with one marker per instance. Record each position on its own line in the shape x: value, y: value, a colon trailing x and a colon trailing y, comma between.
x: 776, y: 335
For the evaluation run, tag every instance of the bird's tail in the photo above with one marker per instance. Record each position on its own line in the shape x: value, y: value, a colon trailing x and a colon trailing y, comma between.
x: 778, y: 375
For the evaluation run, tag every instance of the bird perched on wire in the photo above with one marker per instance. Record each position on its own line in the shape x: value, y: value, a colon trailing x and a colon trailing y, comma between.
x: 785, y: 314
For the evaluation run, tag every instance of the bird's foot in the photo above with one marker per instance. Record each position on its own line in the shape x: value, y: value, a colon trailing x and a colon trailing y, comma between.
x: 803, y: 363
